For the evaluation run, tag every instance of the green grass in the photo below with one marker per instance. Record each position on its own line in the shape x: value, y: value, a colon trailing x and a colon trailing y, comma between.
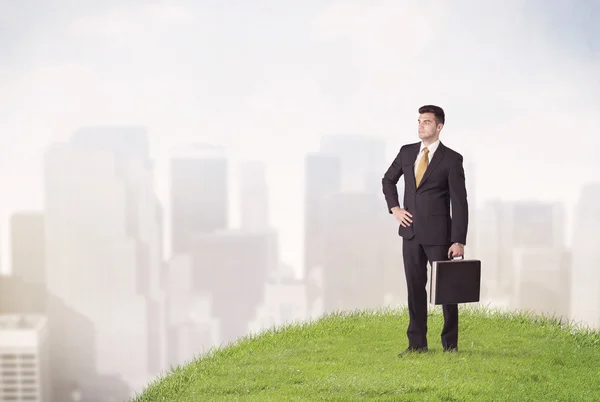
x: 504, y: 356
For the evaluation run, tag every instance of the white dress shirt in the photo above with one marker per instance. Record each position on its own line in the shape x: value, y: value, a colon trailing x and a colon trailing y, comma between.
x: 432, y: 148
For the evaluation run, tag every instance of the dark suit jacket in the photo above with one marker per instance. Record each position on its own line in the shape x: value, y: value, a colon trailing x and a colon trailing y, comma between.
x: 442, y: 186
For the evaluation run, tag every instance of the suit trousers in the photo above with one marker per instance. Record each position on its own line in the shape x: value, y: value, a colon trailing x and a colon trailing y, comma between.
x: 416, y: 256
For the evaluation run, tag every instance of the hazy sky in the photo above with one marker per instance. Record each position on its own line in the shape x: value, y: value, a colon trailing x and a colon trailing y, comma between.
x: 518, y: 79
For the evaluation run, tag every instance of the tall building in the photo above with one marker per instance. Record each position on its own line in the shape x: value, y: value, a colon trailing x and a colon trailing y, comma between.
x: 537, y: 224
x: 470, y: 177
x: 362, y: 161
x: 362, y: 259
x: 28, y: 246
x: 199, y: 194
x: 192, y: 326
x: 351, y: 250
x: 542, y: 281
x: 284, y: 303
x: 232, y: 266
x: 24, y: 365
x: 254, y: 197
x: 103, y: 254
x: 585, y: 282
x: 504, y: 227
x: 71, y: 342
x: 322, y: 179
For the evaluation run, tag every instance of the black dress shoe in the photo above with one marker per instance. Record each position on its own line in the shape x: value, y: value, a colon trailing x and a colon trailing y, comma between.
x: 451, y: 349
x: 410, y: 350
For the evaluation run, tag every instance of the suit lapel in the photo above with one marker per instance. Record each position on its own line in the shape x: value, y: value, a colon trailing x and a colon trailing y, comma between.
x: 437, y: 157
x: 411, y: 172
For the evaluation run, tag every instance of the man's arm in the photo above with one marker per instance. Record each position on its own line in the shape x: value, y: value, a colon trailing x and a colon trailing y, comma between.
x: 389, y: 181
x: 460, y: 206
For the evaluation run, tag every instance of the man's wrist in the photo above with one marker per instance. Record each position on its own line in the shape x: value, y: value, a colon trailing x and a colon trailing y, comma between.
x: 458, y: 244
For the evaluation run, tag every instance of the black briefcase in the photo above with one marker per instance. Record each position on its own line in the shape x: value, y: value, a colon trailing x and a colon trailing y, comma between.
x: 455, y: 281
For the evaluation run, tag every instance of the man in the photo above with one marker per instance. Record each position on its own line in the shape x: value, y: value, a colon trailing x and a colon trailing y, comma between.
x: 434, y: 180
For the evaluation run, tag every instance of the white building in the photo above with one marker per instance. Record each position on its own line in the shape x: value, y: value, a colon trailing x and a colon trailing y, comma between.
x: 362, y: 160
x: 585, y: 283
x: 200, y: 194
x: 103, y: 247
x: 254, y: 196
x: 24, y: 369
x: 193, y: 329
x: 505, y: 226
x: 542, y: 281
x: 284, y: 303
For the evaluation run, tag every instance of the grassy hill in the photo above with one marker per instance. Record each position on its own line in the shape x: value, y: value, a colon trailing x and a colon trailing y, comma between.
x: 353, y: 357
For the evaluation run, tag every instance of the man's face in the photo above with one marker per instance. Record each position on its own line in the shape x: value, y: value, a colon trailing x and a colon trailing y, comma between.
x: 428, y: 130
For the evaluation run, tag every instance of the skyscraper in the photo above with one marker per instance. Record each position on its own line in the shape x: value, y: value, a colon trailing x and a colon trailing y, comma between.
x: 199, y: 194
x: 585, y: 282
x: 28, y: 246
x: 103, y: 254
x: 254, y: 197
x: 24, y: 365
x: 322, y: 179
x: 233, y: 266
x: 362, y: 161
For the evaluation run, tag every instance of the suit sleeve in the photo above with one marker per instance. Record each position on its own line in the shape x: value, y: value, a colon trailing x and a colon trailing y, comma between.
x: 389, y: 181
x: 460, y: 206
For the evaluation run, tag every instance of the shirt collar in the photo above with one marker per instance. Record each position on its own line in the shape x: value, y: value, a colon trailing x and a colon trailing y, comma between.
x: 432, y: 147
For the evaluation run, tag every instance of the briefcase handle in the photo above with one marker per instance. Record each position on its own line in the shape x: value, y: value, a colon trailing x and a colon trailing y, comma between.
x: 462, y: 257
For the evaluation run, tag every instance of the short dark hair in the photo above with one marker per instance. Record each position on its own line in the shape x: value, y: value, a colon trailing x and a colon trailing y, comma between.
x: 437, y: 111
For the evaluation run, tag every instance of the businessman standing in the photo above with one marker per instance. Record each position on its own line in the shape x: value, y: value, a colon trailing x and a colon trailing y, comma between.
x: 434, y: 181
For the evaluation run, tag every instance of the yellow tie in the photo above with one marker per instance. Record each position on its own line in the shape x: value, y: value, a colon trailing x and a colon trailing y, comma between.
x: 422, y: 166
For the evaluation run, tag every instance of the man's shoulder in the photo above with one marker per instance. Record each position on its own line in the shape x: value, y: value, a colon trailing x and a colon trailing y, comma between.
x: 452, y: 153
x: 412, y: 145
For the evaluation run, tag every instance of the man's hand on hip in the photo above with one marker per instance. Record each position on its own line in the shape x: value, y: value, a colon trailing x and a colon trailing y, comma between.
x: 402, y: 216
x: 456, y: 250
